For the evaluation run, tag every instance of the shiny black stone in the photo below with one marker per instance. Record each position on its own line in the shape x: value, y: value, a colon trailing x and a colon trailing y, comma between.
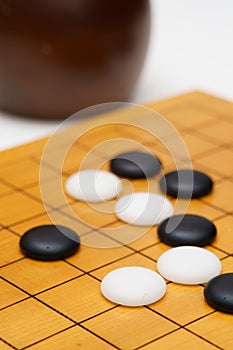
x: 135, y: 165
x: 187, y: 230
x: 219, y: 292
x: 186, y: 183
x: 49, y: 242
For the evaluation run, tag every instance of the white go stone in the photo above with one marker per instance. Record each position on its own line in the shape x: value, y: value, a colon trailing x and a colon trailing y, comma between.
x: 143, y: 208
x: 189, y: 265
x: 133, y: 286
x: 93, y: 185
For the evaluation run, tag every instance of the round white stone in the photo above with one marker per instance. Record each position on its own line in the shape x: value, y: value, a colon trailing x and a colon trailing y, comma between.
x: 133, y: 286
x: 189, y: 265
x: 143, y: 208
x: 93, y: 185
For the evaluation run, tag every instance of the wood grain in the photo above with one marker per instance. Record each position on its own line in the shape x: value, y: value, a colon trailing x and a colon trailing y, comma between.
x: 58, y: 305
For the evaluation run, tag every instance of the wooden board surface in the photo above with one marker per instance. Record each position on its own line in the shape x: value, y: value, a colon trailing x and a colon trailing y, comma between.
x: 58, y: 305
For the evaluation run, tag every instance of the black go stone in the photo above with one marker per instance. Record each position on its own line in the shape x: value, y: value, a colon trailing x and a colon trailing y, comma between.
x: 49, y: 242
x: 219, y: 292
x: 186, y: 183
x: 135, y: 165
x: 187, y: 229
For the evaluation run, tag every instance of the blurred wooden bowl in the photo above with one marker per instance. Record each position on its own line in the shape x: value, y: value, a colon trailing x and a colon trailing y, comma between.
x: 59, y: 56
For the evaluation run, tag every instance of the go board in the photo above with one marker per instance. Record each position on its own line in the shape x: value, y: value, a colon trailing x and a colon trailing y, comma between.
x: 58, y: 305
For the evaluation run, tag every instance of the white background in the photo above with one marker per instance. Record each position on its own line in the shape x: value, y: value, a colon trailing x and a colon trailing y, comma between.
x: 191, y: 47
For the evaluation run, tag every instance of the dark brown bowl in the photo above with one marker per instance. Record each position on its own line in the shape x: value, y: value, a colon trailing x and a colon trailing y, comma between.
x: 59, y: 56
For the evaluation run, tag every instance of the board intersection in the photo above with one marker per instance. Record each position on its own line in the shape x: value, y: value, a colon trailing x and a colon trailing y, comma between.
x: 47, y: 305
